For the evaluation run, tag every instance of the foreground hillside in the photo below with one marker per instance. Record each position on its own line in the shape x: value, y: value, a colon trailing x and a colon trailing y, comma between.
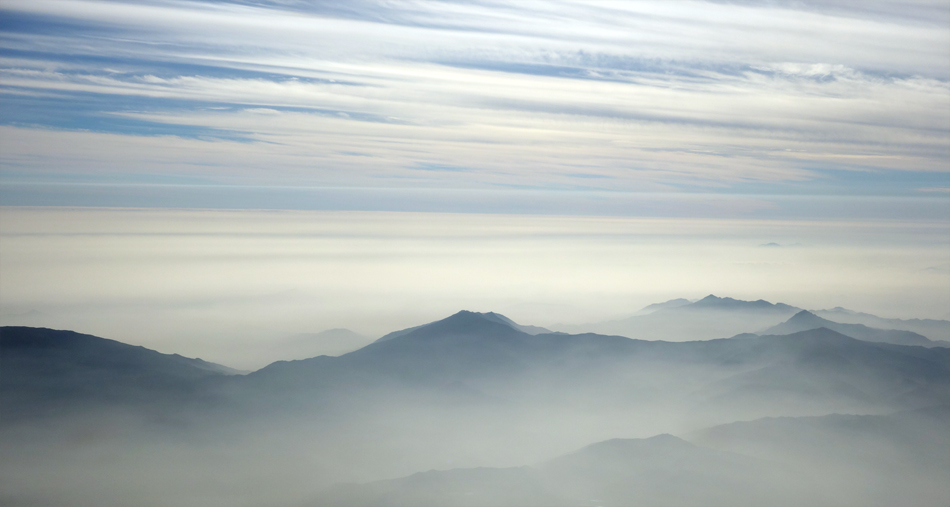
x: 764, y: 462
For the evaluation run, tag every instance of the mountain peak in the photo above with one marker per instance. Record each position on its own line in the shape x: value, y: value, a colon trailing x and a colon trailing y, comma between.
x: 467, y: 322
x: 806, y: 316
x: 805, y: 320
x: 725, y: 303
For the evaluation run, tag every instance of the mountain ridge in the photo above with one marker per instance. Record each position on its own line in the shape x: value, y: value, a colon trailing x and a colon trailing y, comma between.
x: 805, y: 320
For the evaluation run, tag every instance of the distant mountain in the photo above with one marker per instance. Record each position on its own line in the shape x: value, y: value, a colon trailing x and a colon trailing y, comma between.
x: 805, y: 320
x: 712, y: 302
x: 709, y: 318
x: 45, y: 370
x: 663, y: 470
x: 936, y: 330
x: 893, y: 459
x: 673, y: 303
x: 472, y: 354
x: 874, y: 460
x: 332, y: 342
x: 490, y: 316
x: 921, y: 435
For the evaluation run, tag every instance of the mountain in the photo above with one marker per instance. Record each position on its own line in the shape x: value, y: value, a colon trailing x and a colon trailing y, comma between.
x: 893, y: 459
x: 709, y: 318
x: 936, y: 330
x: 805, y: 320
x: 475, y: 356
x: 712, y: 302
x: 489, y: 316
x: 44, y: 370
x: 332, y: 342
x: 662, y: 470
x: 478, y: 358
x: 821, y: 367
x: 873, y: 460
x: 465, y: 392
x: 921, y: 436
x: 673, y: 303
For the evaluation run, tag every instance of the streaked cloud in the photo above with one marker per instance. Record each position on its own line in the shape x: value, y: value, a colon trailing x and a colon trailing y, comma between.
x: 633, y: 96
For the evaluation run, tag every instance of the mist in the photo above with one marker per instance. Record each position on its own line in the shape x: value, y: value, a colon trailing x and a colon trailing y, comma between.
x: 228, y: 286
x: 468, y: 411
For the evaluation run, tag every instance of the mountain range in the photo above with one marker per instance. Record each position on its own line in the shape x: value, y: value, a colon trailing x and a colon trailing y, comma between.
x: 805, y: 320
x: 708, y: 318
x: 476, y: 409
x: 762, y: 462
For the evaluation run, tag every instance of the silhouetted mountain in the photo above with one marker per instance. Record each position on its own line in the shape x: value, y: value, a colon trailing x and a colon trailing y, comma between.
x: 489, y: 316
x: 464, y: 345
x: 805, y: 320
x: 476, y: 355
x: 709, y: 318
x: 47, y: 370
x: 663, y: 470
x: 935, y: 330
x: 712, y: 302
x: 505, y: 320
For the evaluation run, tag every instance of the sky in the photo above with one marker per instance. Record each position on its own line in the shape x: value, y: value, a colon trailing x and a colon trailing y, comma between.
x: 376, y: 164
x: 145, y: 101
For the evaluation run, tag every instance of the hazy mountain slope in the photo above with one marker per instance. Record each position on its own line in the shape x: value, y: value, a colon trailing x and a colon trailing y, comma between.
x: 471, y: 355
x: 921, y: 436
x: 805, y: 320
x: 469, y: 391
x: 44, y: 369
x: 332, y: 342
x: 895, y: 459
x: 821, y: 367
x: 846, y: 460
x: 709, y: 318
x: 474, y: 487
x: 936, y: 330
x: 673, y: 303
x: 658, y: 471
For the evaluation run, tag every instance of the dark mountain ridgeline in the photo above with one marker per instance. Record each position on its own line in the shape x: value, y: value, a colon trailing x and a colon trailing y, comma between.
x: 477, y: 355
x: 489, y: 316
x: 712, y: 302
x: 935, y: 330
x: 805, y: 320
x: 44, y: 370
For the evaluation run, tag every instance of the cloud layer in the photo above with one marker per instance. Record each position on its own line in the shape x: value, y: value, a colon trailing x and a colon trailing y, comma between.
x: 648, y: 96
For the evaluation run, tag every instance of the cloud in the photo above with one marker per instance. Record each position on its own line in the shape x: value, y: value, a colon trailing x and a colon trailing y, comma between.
x: 627, y: 95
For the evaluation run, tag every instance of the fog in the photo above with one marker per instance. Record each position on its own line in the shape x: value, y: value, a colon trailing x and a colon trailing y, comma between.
x: 227, y: 285
x: 461, y: 409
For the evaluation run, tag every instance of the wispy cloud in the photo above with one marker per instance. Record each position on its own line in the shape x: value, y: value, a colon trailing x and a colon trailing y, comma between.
x: 627, y: 95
